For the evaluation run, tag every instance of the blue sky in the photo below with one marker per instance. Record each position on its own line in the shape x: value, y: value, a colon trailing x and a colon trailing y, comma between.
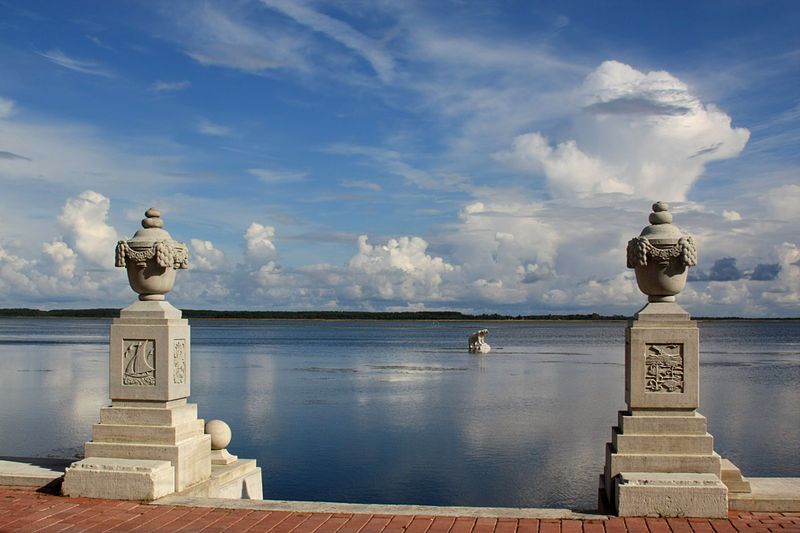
x: 486, y: 156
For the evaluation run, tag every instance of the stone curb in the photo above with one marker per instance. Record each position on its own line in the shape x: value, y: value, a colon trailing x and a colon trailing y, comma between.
x: 393, y: 509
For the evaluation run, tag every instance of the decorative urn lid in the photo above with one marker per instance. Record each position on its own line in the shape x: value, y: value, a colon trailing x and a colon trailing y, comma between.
x: 152, y: 230
x: 661, y: 255
x: 661, y: 230
x: 151, y: 257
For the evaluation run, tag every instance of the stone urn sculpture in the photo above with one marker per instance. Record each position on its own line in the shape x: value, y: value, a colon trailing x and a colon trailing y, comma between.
x: 660, y: 256
x: 661, y: 459
x: 151, y: 258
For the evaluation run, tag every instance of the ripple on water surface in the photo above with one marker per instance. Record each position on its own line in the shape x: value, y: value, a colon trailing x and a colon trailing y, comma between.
x: 399, y: 412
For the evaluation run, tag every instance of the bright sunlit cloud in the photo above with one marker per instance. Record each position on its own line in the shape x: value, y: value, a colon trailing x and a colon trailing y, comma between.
x: 476, y: 157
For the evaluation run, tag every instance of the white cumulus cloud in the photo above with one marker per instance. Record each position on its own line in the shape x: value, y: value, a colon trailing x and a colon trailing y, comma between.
x: 502, y: 244
x: 783, y: 202
x: 62, y: 259
x: 731, y: 215
x: 84, y: 220
x: 14, y: 272
x: 258, y: 243
x: 785, y: 291
x: 642, y: 134
x: 205, y: 256
x: 399, y: 269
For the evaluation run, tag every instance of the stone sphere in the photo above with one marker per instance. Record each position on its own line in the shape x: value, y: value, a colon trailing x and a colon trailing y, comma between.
x: 220, y: 434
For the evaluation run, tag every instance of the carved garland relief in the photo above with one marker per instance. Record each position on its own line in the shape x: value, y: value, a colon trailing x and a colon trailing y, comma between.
x: 179, y: 361
x: 664, y: 368
x: 138, y: 362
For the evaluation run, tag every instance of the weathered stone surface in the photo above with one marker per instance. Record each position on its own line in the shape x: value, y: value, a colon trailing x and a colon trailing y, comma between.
x: 222, y: 457
x: 617, y: 463
x: 775, y: 495
x: 191, y: 458
x: 220, y: 432
x: 35, y: 472
x: 661, y: 255
x: 221, y: 435
x: 153, y: 415
x: 245, y: 487
x: 662, y: 312
x: 661, y: 460
x: 655, y: 377
x: 732, y: 477
x: 240, y: 479
x: 126, y: 479
x: 151, y: 310
x: 658, y: 424
x: 663, y: 444
x: 151, y: 258
x: 149, y: 421
x: 147, y: 434
x: 149, y: 359
x: 671, y: 495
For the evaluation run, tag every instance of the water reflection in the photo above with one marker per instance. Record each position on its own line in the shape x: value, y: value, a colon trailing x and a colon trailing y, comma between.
x: 349, y: 411
x: 51, y: 391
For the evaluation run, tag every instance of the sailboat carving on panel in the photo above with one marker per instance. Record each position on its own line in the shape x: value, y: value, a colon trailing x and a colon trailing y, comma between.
x: 138, y: 361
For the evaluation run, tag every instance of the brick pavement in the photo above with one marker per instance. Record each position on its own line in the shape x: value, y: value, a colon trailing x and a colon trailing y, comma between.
x: 27, y: 511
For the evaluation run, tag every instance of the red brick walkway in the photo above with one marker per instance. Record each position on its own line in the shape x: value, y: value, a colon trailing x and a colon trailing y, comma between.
x: 25, y: 510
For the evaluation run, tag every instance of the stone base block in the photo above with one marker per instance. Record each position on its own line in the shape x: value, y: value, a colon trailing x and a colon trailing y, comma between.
x: 671, y: 495
x: 222, y: 457
x: 662, y: 424
x: 663, y: 444
x: 732, y: 477
x: 660, y: 463
x: 124, y: 479
x: 148, y: 434
x: 246, y: 486
x: 155, y: 430
x: 768, y: 494
x: 149, y: 414
x: 239, y: 480
x: 33, y: 472
x: 191, y: 457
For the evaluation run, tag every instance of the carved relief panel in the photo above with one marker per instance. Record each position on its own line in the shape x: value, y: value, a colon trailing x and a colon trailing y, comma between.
x: 138, y: 362
x: 664, y: 368
x: 179, y: 361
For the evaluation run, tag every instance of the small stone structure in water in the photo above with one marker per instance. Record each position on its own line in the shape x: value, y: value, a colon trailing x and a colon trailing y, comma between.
x: 477, y: 342
x: 149, y: 442
x: 661, y: 459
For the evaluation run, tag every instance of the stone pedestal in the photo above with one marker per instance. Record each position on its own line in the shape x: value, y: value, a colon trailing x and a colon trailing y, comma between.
x: 149, y: 442
x: 149, y: 418
x: 660, y: 447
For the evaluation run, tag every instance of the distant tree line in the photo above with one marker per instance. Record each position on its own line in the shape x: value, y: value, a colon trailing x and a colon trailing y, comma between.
x: 308, y: 315
x: 73, y: 313
x: 334, y: 315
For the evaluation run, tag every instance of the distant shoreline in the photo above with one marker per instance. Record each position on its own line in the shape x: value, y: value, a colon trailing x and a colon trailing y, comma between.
x: 428, y: 316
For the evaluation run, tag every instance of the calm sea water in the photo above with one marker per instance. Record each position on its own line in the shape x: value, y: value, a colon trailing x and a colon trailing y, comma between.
x: 399, y: 412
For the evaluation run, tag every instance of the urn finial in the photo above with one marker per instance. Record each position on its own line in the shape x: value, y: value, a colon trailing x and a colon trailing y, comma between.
x: 152, y: 219
x: 661, y: 255
x: 151, y: 258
